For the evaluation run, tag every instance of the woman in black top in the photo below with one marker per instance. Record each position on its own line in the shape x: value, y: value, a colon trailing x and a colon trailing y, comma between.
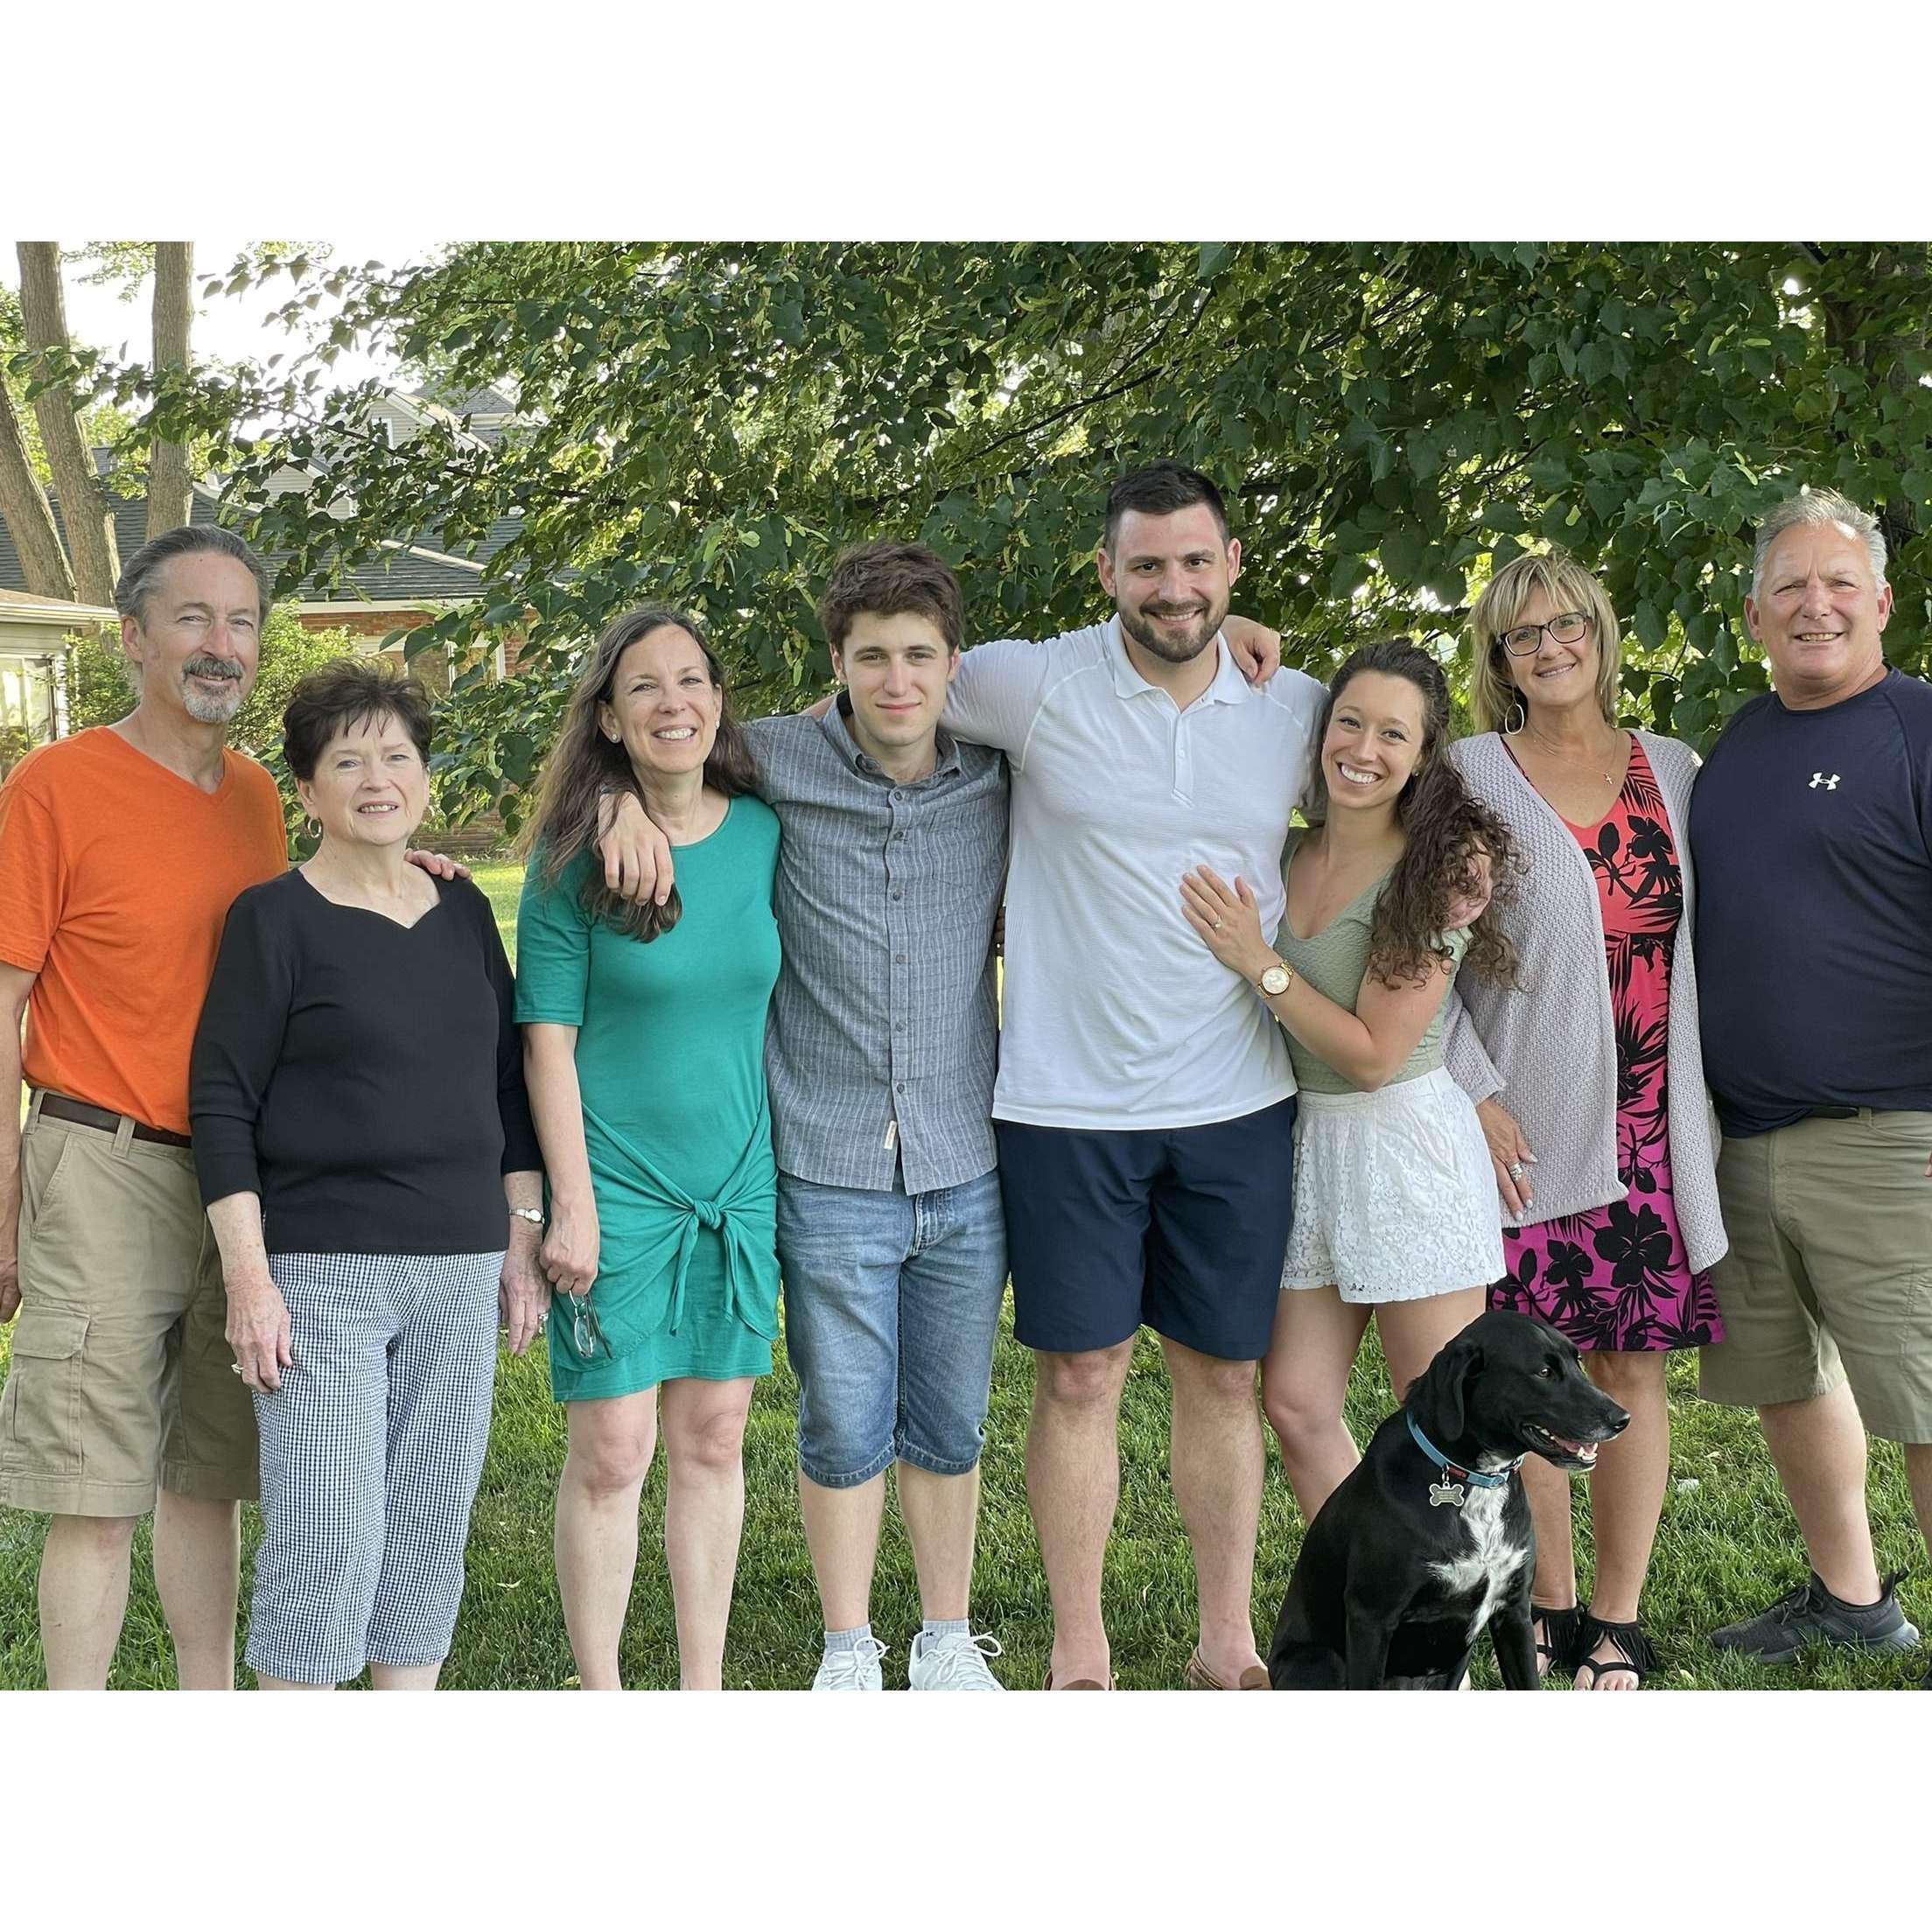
x: 366, y: 1155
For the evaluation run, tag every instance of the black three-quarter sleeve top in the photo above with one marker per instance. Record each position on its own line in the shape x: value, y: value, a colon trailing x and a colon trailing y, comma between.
x: 364, y: 1078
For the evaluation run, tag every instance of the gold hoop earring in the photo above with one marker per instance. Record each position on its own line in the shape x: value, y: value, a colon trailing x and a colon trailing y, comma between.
x: 312, y: 827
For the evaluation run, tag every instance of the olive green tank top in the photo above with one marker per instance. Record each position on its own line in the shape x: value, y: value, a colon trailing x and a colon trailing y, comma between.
x: 1333, y: 962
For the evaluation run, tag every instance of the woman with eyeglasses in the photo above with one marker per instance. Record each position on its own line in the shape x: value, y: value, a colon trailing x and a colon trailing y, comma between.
x: 644, y: 1043
x: 1588, y: 1076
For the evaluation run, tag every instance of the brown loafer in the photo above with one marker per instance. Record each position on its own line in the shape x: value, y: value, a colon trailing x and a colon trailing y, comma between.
x: 1198, y: 1677
x: 1080, y: 1684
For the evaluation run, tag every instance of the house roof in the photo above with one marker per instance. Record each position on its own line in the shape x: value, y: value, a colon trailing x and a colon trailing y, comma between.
x: 483, y: 402
x: 486, y: 410
x: 17, y: 608
x: 421, y: 572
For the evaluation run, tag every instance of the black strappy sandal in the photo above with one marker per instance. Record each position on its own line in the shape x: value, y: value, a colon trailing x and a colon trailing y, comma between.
x: 1564, y: 1630
x: 1640, y: 1656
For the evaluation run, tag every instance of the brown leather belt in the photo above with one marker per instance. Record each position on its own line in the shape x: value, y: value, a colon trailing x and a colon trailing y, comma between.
x: 56, y: 1106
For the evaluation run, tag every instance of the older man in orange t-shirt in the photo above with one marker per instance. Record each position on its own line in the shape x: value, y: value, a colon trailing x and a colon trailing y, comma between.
x: 120, y: 851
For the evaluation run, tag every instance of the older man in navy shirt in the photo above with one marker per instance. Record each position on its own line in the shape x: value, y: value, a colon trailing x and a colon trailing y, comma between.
x: 1811, y: 828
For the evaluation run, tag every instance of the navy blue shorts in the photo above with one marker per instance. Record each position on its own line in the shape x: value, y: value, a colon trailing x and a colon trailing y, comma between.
x: 1180, y: 1229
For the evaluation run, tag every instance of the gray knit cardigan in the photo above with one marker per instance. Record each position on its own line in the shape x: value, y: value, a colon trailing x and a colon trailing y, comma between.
x: 1547, y: 1050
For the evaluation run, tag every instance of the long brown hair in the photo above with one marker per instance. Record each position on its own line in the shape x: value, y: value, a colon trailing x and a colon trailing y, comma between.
x: 1447, y: 835
x: 583, y: 762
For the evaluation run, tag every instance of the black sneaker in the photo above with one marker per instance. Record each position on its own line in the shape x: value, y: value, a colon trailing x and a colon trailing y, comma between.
x: 1811, y: 1614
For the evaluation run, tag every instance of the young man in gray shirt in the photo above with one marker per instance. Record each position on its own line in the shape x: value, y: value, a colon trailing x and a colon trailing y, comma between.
x: 879, y: 1059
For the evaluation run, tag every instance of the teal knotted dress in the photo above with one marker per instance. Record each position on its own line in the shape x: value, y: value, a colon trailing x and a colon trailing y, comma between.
x: 670, y: 1062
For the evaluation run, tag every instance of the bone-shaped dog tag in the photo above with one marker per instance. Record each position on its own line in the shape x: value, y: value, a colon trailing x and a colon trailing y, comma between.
x: 1441, y: 1493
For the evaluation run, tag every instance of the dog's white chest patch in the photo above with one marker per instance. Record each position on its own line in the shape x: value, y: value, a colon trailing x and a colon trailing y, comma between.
x: 1485, y: 1568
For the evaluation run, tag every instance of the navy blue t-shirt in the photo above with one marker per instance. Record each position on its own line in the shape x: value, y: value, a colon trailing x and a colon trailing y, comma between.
x: 1811, y: 835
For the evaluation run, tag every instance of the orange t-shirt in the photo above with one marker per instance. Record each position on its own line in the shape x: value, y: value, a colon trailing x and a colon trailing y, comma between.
x: 115, y: 877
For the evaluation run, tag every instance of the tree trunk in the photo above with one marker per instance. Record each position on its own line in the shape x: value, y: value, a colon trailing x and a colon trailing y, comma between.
x: 169, y: 499
x: 24, y: 504
x: 1901, y: 519
x: 83, y: 506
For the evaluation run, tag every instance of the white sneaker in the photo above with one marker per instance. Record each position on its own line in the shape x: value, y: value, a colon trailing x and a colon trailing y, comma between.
x: 853, y: 1669
x: 953, y: 1663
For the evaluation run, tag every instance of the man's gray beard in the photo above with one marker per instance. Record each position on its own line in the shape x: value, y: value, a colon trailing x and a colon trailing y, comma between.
x: 212, y: 710
x: 1164, y: 647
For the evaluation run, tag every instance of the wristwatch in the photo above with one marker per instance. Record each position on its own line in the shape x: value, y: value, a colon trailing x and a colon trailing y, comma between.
x: 534, y: 1214
x: 1276, y: 980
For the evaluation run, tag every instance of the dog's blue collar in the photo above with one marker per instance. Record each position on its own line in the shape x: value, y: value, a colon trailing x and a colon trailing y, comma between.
x: 1483, y: 1479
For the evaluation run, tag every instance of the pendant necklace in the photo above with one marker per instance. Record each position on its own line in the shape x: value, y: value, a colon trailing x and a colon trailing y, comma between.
x: 1609, y: 778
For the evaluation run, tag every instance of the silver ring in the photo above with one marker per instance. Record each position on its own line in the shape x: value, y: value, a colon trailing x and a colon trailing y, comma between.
x: 237, y: 1367
x: 1219, y: 923
x: 1514, y: 1170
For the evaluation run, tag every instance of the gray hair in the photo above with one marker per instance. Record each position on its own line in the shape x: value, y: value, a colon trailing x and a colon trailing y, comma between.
x: 1814, y: 508
x: 137, y: 579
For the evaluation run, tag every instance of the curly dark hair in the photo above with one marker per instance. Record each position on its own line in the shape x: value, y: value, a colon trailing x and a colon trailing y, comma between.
x: 583, y: 762
x: 1447, y: 833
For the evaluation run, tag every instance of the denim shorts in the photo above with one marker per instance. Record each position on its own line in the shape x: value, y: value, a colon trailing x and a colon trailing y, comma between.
x: 892, y: 1306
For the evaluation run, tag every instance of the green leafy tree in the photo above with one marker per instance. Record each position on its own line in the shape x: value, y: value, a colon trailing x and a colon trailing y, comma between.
x: 101, y: 424
x: 157, y: 428
x: 709, y: 423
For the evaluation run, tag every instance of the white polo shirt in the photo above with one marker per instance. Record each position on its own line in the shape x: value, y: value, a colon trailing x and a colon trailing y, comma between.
x: 1116, y: 1014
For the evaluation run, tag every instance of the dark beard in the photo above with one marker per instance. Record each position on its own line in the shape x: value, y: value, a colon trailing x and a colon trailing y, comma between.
x: 1163, y: 646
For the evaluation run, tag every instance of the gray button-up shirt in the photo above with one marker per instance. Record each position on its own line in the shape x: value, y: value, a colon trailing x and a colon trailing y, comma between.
x: 883, y: 1038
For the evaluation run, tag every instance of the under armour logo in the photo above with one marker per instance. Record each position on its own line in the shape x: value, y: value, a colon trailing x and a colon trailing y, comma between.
x: 1818, y: 778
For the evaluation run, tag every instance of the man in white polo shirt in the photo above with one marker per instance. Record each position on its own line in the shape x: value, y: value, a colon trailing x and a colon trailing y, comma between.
x: 1145, y: 1107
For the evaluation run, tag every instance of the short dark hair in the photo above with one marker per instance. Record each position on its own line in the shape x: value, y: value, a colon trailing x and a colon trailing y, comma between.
x: 1159, y: 490
x: 137, y: 576
x: 888, y: 579
x: 349, y: 692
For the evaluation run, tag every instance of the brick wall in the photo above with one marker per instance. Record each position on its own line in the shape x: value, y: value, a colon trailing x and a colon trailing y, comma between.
x: 361, y: 623
x: 431, y: 667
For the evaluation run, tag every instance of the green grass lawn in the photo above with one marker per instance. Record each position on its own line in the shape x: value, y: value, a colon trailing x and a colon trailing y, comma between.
x: 1728, y: 1543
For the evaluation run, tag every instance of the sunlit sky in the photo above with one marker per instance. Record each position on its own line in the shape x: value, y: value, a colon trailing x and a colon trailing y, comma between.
x: 226, y: 328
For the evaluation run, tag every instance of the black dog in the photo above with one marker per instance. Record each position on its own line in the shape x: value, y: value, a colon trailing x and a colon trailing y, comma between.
x: 1429, y: 1540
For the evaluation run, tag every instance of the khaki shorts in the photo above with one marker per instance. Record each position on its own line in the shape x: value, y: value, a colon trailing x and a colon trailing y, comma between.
x: 1828, y: 1279
x: 121, y: 1376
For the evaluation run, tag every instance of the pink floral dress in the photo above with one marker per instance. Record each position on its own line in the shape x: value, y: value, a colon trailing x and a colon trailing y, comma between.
x: 1617, y: 1277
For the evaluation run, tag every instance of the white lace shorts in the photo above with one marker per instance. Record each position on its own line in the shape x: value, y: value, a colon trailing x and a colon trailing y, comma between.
x: 1394, y: 1198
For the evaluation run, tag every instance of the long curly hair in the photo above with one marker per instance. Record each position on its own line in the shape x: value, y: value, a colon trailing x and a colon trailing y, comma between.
x: 1447, y: 835
x: 583, y: 762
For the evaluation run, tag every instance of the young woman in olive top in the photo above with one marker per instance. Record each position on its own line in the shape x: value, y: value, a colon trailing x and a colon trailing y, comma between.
x: 1396, y: 1212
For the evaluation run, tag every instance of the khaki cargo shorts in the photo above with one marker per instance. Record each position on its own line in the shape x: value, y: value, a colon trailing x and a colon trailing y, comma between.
x: 121, y: 1376
x: 1828, y: 1279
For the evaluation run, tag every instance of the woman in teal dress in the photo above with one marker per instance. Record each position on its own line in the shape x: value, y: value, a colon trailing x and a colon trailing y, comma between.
x: 644, y: 1037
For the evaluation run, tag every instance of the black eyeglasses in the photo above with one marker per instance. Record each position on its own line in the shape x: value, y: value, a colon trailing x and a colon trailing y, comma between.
x: 586, y: 1331
x: 1566, y: 627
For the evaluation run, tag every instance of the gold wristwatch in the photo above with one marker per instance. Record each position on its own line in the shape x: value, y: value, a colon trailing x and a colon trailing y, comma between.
x: 1276, y: 980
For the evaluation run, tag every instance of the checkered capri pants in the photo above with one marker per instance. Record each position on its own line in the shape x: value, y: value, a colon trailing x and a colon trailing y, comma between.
x: 371, y: 1452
